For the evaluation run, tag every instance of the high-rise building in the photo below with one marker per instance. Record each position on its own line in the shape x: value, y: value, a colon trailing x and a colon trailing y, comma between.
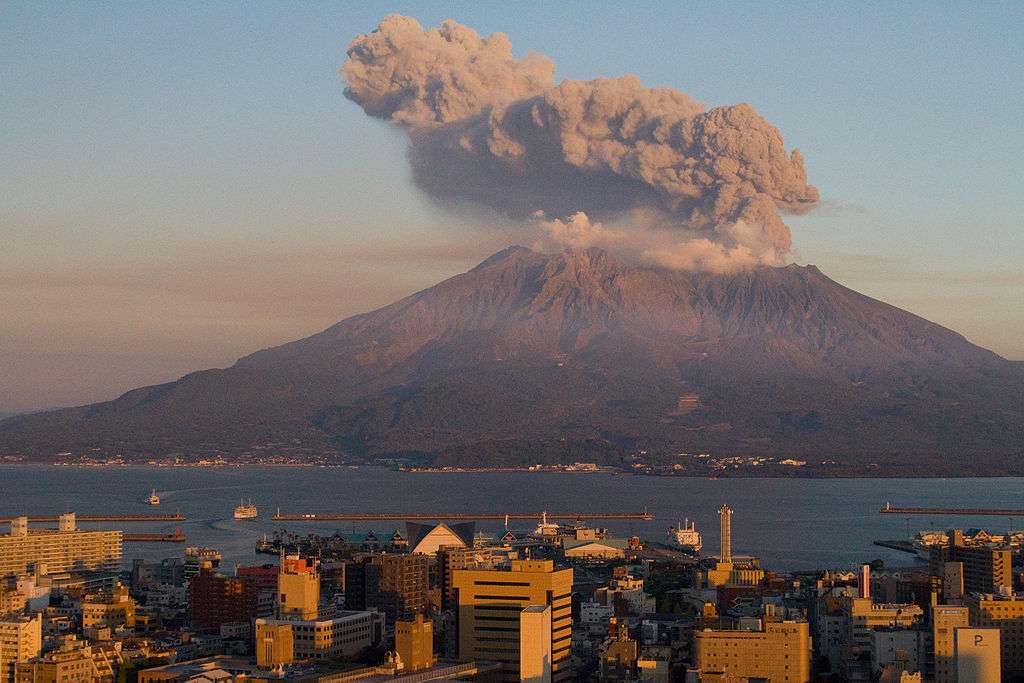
x: 977, y: 655
x: 535, y: 644
x: 298, y: 589
x: 725, y: 533
x: 864, y: 581
x: 451, y: 559
x: 414, y: 643
x: 395, y: 584
x: 984, y: 569
x: 490, y: 604
x: 215, y: 600
x: 66, y: 549
x: 781, y: 653
x: 1006, y: 613
x: 946, y: 619
x: 21, y: 639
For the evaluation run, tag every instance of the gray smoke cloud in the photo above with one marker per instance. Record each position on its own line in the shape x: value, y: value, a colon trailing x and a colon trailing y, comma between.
x: 691, y: 187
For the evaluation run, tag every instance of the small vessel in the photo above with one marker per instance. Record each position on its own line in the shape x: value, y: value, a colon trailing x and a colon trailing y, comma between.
x: 153, y: 498
x: 245, y: 511
x: 685, y: 536
x: 545, y: 529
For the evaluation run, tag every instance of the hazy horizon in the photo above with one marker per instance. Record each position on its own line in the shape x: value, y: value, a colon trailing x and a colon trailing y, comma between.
x: 188, y: 184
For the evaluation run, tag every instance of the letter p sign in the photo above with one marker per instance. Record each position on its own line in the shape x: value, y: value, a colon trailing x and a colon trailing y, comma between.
x: 978, y: 639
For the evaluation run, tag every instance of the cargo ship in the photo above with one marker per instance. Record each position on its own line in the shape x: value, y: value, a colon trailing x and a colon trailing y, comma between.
x: 153, y: 498
x: 685, y: 536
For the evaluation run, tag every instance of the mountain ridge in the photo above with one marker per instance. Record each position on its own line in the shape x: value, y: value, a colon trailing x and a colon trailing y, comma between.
x: 580, y: 349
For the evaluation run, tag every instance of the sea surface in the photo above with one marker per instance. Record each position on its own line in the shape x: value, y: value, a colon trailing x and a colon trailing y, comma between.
x: 793, y: 524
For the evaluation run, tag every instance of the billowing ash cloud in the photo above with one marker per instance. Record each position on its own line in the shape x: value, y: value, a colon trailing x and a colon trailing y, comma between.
x: 693, y: 188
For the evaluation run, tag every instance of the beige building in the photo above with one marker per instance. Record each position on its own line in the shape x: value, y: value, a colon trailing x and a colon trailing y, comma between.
x: 977, y: 655
x: 535, y: 644
x: 275, y: 645
x: 21, y: 639
x: 414, y: 643
x: 490, y: 603
x: 74, y: 662
x: 298, y: 590
x: 344, y: 634
x: 51, y: 551
x: 946, y: 619
x: 109, y: 610
x: 781, y: 653
x: 1006, y: 613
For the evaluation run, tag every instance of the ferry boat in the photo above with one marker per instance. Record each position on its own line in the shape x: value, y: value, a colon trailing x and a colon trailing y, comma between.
x: 245, y: 511
x: 153, y: 498
x: 685, y: 536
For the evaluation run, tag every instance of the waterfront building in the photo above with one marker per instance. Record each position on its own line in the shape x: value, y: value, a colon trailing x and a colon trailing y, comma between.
x: 978, y: 655
x: 490, y: 604
x: 215, y: 600
x: 604, y: 549
x: 984, y: 569
x: 427, y: 539
x: 780, y: 653
x: 25, y: 551
x: 946, y: 619
x: 414, y: 644
x: 1006, y: 613
x: 21, y: 639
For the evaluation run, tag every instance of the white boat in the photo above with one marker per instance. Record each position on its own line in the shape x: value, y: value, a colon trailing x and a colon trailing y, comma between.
x: 685, y: 536
x: 153, y: 498
x: 245, y: 511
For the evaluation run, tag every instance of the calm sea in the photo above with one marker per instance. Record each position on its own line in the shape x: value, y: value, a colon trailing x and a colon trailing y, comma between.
x: 792, y: 524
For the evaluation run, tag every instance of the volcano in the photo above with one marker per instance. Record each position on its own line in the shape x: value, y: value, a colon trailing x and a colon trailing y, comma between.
x: 533, y: 357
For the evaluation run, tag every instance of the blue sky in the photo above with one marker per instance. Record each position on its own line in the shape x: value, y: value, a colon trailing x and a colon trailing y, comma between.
x: 185, y: 182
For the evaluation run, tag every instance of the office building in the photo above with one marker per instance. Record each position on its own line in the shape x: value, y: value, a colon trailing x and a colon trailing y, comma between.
x: 74, y: 662
x: 535, y: 644
x: 21, y: 639
x: 215, y: 600
x: 489, y: 608
x: 1005, y: 613
x: 977, y: 655
x: 946, y: 619
x: 780, y: 653
x: 26, y: 551
x: 414, y: 644
x: 452, y: 559
x: 397, y: 585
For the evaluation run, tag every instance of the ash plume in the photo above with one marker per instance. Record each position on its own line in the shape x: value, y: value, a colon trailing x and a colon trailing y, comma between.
x: 691, y: 187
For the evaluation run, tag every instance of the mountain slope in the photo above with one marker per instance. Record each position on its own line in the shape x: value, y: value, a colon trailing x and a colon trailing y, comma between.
x: 531, y: 356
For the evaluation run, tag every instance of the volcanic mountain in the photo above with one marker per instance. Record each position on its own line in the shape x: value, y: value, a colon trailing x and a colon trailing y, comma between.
x: 532, y: 357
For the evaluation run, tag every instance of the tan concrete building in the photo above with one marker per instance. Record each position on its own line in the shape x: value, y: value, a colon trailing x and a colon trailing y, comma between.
x: 61, y: 550
x: 21, y: 639
x: 298, y: 590
x: 490, y: 603
x: 535, y: 644
x: 74, y: 662
x: 343, y: 634
x: 414, y: 643
x: 109, y: 610
x: 275, y: 645
x: 1006, y: 613
x: 781, y: 653
x: 977, y: 655
x: 945, y: 620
